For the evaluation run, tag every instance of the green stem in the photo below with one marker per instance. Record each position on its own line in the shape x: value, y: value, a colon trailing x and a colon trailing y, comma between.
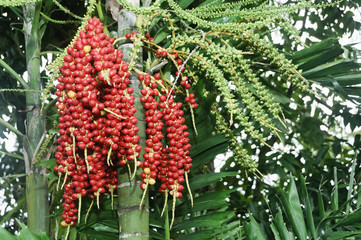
x: 101, y: 16
x: 14, y: 155
x: 166, y: 223
x: 10, y: 127
x: 133, y: 221
x: 36, y: 183
x: 14, y: 74
x: 350, y: 186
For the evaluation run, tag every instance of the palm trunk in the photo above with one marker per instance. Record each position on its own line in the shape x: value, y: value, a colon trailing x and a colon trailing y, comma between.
x: 133, y: 221
x: 36, y: 183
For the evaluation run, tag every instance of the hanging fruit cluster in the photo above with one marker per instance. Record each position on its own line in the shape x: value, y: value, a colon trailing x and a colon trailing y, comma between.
x: 97, y: 125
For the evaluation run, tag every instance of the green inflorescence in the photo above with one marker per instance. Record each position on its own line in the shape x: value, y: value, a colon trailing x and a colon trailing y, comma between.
x: 59, y: 21
x: 67, y: 11
x: 250, y: 14
x: 12, y: 3
x: 17, y: 90
x: 56, y: 64
x: 44, y: 148
x: 155, y: 7
x: 236, y: 146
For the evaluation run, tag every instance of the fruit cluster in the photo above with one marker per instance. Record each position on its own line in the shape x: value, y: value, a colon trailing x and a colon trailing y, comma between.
x: 97, y: 125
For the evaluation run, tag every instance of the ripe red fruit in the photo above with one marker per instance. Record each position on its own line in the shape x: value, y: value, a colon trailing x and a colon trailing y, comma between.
x: 157, y: 76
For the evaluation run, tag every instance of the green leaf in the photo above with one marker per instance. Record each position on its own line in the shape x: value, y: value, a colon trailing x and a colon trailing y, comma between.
x: 351, y: 218
x: 321, y: 207
x: 205, y: 201
x: 212, y: 220
x: 43, y: 236
x: 345, y: 79
x: 321, y: 154
x: 73, y: 234
x: 229, y: 231
x: 279, y: 97
x: 252, y: 230
x: 331, y: 68
x: 101, y: 227
x: 351, y: 181
x: 203, y: 158
x: 199, y: 235
x: 292, y: 205
x: 51, y: 175
x: 341, y: 235
x: 100, y: 235
x: 334, y: 194
x: 155, y: 222
x: 26, y: 234
x: 185, y: 3
x: 207, y: 144
x: 315, y: 48
x: 306, y: 201
x: 280, y: 225
x: 48, y: 163
x: 155, y: 235
x: 162, y: 33
x: 275, y: 232
x: 207, y: 179
x: 4, y: 234
x: 320, y: 58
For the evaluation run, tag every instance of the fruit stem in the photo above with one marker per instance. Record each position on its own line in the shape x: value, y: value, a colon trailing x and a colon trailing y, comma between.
x: 112, y: 196
x: 173, y: 209
x: 143, y: 196
x: 135, y: 167
x: 87, y: 213
x: 165, y: 202
x: 79, y: 208
x: 189, y: 189
x: 110, y: 111
x: 108, y: 156
x: 66, y: 176
x: 119, y: 39
x: 130, y: 171
x: 74, y: 155
x: 67, y: 232
x: 282, y: 122
x: 59, y: 178
x: 86, y: 160
x: 193, y: 119
x: 97, y: 194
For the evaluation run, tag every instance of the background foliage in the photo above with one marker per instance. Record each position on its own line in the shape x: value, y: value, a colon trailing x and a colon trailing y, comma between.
x: 315, y: 165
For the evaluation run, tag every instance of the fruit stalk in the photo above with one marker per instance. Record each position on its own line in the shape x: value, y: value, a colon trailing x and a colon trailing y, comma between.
x: 133, y: 221
x: 36, y: 183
